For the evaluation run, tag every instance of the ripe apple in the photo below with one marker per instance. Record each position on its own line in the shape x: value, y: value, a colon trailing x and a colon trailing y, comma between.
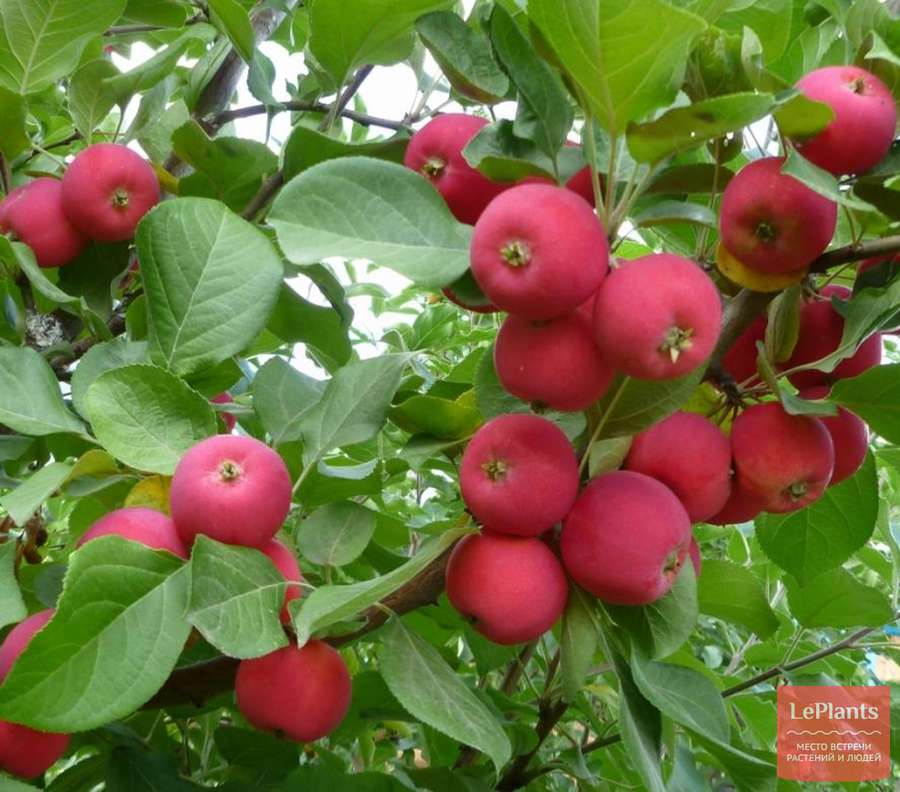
x: 865, y: 117
x: 147, y: 526
x: 555, y: 362
x: 435, y: 151
x: 772, y: 222
x: 231, y: 488
x: 785, y: 460
x: 513, y: 588
x: 625, y: 538
x: 302, y: 693
x: 657, y: 317
x: 690, y: 455
x: 539, y: 251
x: 26, y: 752
x: 820, y: 332
x: 740, y: 359
x: 519, y: 474
x: 849, y: 434
x: 106, y: 191
x: 35, y: 215
x: 286, y: 563
x: 740, y: 507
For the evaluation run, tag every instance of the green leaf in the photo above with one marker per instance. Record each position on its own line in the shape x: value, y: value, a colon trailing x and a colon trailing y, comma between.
x: 814, y: 177
x: 770, y: 20
x: 682, y: 694
x: 661, y: 627
x: 118, y: 630
x: 800, y: 117
x: 783, y: 326
x: 322, y: 329
x: 631, y: 405
x: 734, y: 594
x: 211, y: 279
x: 749, y: 772
x: 90, y: 99
x: 146, y: 417
x: 357, y: 207
x: 306, y: 147
x: 544, y: 114
x: 348, y: 33
x: 152, y: 71
x: 874, y: 396
x: 226, y: 168
x: 825, y: 533
x: 501, y: 156
x: 13, y: 135
x: 441, y: 418
x: 336, y: 534
x: 329, y: 605
x: 490, y: 396
x: 236, y: 596
x: 464, y: 55
x: 640, y: 725
x: 578, y: 642
x: 669, y: 212
x: 26, y: 499
x: 837, y: 599
x: 685, y: 128
x: 282, y: 396
x: 354, y: 406
x: 30, y: 400
x: 12, y: 607
x: 136, y: 769
x: 607, y: 455
x: 410, y: 666
x: 101, y: 358
x: 627, y: 57
x: 42, y: 40
x: 236, y: 22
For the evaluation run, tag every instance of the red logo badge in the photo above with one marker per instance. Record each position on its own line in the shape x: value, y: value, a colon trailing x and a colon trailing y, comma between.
x: 834, y: 733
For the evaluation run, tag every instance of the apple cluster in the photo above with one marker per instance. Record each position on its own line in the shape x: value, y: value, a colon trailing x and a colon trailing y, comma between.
x: 233, y: 489
x: 102, y: 196
x: 575, y: 321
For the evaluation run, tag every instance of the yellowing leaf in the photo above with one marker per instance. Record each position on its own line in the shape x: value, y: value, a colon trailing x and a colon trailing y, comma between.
x: 152, y: 492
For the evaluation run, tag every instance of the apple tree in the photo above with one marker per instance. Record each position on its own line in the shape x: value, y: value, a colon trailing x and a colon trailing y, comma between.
x: 529, y: 439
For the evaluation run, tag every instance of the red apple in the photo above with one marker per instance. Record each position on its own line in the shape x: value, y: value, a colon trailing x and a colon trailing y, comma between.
x: 286, y: 563
x: 865, y: 117
x: 147, y: 526
x: 849, y: 434
x: 519, y: 475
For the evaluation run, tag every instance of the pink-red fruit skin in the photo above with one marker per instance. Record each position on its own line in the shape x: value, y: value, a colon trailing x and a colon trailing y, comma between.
x: 147, y: 526
x: 625, y: 538
x: 538, y: 251
x: 513, y: 588
x: 821, y: 329
x: 849, y: 435
x: 785, y: 460
x: 35, y: 215
x: 691, y: 456
x: 519, y: 475
x: 740, y: 507
x: 301, y: 693
x: 286, y: 563
x: 865, y: 117
x: 227, y: 418
x: 435, y: 151
x: 740, y: 359
x: 773, y: 223
x: 231, y: 488
x: 555, y: 363
x: 106, y: 191
x: 26, y: 752
x: 657, y: 317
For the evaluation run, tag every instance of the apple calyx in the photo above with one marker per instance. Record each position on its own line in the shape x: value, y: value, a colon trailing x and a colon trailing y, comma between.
x: 230, y: 470
x: 433, y: 167
x: 676, y: 341
x: 495, y: 470
x: 516, y: 253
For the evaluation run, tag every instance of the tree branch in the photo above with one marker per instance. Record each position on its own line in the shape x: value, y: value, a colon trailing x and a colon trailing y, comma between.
x: 299, y: 107
x: 858, y: 252
x: 197, y: 683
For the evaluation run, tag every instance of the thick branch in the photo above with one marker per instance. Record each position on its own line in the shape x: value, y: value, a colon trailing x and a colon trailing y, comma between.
x: 844, y: 255
x: 195, y: 684
x: 516, y: 775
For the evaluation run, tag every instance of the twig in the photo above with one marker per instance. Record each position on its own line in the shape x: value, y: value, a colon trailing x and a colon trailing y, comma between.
x: 346, y: 95
x: 515, y: 776
x: 265, y: 194
x: 5, y: 175
x: 197, y: 683
x: 857, y: 252
x: 300, y: 107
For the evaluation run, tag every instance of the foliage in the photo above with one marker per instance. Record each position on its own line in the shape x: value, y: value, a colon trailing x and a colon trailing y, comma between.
x: 261, y: 274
